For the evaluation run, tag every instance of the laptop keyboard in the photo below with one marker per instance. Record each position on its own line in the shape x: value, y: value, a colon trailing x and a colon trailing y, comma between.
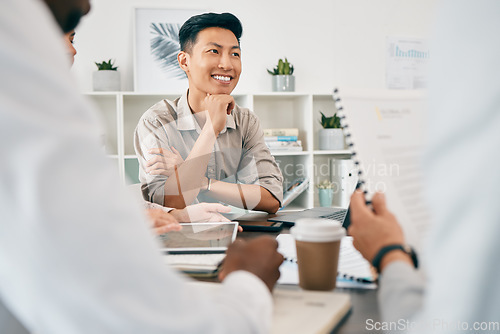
x: 338, y: 215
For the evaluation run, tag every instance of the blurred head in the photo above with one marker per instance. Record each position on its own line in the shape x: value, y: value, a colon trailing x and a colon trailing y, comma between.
x: 70, y: 48
x: 210, y: 53
x: 68, y: 13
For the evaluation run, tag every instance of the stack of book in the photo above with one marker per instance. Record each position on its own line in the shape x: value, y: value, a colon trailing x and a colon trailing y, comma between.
x: 283, y: 140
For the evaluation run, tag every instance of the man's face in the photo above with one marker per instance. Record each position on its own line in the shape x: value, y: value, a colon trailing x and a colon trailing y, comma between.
x: 68, y: 12
x: 70, y: 48
x: 213, y: 65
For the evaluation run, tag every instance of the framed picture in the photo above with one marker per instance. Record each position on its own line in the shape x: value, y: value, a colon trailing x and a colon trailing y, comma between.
x: 156, y: 45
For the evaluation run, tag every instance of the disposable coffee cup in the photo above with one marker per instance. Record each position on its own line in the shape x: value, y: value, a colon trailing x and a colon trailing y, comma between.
x: 318, y: 246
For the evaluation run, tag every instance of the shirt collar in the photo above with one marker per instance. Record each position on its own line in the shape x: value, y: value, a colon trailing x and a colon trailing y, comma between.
x: 186, y: 120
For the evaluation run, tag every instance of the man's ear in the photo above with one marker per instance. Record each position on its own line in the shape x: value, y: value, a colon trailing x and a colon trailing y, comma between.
x: 183, y: 59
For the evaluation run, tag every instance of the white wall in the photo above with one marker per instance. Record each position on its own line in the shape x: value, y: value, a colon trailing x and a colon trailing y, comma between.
x: 330, y: 42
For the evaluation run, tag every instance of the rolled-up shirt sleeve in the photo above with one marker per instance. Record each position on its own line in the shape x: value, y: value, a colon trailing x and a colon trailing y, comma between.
x: 257, y: 157
x: 150, y: 134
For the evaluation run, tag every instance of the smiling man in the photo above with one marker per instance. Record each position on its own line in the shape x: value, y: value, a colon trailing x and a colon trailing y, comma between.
x: 202, y: 146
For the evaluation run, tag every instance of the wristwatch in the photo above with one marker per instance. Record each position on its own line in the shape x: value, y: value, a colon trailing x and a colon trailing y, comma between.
x: 209, y: 183
x: 385, y: 250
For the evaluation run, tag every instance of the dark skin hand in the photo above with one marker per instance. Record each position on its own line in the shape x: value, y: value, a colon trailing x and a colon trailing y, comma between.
x: 259, y: 256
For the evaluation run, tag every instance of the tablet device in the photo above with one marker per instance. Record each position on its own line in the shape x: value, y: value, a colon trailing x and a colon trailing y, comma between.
x: 200, y: 238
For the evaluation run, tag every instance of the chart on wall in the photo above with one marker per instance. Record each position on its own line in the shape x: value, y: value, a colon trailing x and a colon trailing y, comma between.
x: 156, y: 69
x: 406, y: 63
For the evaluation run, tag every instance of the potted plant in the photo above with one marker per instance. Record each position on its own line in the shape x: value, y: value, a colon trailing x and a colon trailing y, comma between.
x: 325, y: 193
x: 331, y: 137
x: 107, y: 77
x: 283, y: 79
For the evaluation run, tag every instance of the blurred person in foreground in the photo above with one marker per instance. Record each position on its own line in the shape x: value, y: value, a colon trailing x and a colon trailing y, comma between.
x: 461, y: 292
x: 75, y: 253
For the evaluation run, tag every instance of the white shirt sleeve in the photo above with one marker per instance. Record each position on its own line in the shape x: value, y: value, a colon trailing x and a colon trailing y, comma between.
x: 401, y: 292
x: 76, y: 254
x: 462, y: 292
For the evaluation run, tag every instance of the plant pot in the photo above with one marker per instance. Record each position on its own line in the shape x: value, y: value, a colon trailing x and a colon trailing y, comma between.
x: 106, y: 80
x: 331, y: 139
x: 283, y: 83
x: 325, y: 197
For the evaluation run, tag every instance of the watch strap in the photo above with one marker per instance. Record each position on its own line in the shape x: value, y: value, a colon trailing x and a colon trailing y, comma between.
x: 389, y: 248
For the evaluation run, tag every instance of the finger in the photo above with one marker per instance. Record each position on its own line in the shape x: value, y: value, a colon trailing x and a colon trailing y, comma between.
x: 170, y: 155
x: 153, y: 160
x: 157, y: 150
x: 167, y: 228
x: 355, y: 243
x: 215, y: 217
x: 240, y: 229
x: 272, y: 242
x: 230, y: 107
x: 158, y: 172
x: 157, y: 165
x: 280, y: 259
x: 217, y: 207
x: 175, y: 151
x: 358, y: 204
x: 351, y: 230
x: 378, y: 203
x: 164, y: 219
x: 238, y: 243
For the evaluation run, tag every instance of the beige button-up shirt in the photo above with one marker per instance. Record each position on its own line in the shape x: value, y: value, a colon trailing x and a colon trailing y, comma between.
x: 239, y: 155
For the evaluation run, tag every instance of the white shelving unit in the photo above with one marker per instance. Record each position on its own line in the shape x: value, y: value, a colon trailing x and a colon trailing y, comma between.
x: 121, y: 112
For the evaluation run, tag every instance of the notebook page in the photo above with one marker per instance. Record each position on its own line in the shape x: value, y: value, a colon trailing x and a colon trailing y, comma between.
x: 386, y: 131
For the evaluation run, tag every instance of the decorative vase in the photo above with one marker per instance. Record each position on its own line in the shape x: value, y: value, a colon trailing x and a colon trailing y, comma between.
x: 106, y: 80
x: 283, y: 83
x: 325, y: 197
x: 331, y: 139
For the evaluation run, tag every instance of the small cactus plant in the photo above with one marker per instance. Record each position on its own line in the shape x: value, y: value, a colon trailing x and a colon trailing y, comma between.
x: 283, y: 68
x: 330, y: 122
x: 106, y: 66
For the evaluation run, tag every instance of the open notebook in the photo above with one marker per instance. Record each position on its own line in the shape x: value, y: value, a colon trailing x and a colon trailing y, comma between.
x: 300, y: 311
x: 385, y: 130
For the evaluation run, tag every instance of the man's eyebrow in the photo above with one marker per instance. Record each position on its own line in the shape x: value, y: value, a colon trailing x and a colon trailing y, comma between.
x: 220, y: 46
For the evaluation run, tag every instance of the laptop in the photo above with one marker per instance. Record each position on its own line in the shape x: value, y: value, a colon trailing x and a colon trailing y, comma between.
x: 335, y: 213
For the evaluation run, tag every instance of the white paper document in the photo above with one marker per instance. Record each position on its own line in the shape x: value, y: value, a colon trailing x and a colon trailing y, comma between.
x: 406, y: 63
x: 386, y: 131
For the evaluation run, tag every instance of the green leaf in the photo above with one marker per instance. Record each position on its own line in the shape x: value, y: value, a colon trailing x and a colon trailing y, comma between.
x: 330, y: 122
x: 106, y: 66
x: 283, y: 68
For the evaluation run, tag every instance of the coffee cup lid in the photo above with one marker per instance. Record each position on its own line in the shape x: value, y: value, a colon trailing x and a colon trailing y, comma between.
x: 317, y: 230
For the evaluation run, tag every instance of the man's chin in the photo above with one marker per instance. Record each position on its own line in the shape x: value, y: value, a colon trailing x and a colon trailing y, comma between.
x: 222, y: 91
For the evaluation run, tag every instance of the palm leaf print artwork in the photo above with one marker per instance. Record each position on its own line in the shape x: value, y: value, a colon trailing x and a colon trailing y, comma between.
x: 165, y: 47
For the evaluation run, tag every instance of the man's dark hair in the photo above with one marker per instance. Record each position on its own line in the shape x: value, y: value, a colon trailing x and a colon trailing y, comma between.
x: 190, y: 29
